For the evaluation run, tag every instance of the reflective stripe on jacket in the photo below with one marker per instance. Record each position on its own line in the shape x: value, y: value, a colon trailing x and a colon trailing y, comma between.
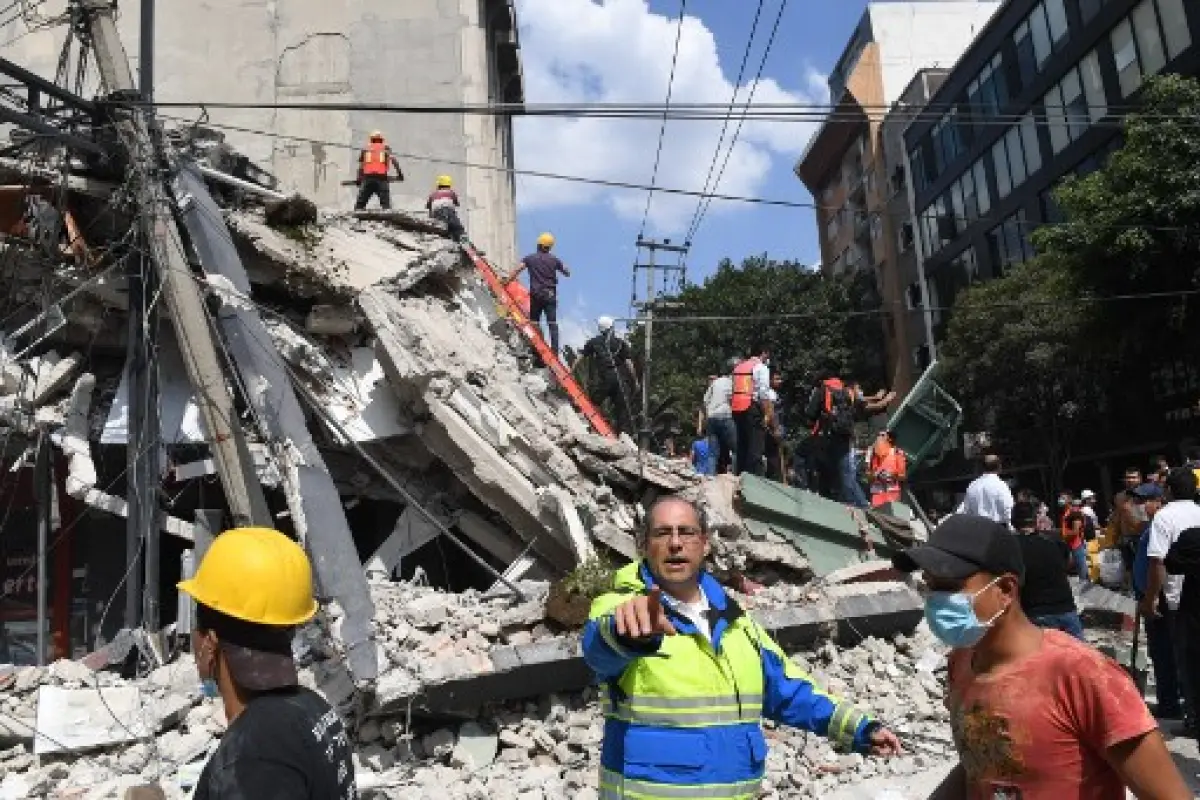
x: 893, y: 462
x: 375, y: 159
x: 743, y: 385
x: 683, y: 715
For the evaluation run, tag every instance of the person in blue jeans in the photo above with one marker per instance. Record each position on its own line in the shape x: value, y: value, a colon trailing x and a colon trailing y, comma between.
x: 703, y: 460
x: 1168, y: 685
x: 1046, y: 593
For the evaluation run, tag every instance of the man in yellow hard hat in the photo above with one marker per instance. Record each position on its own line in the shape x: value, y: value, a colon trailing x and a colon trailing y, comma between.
x: 373, y: 166
x: 543, y: 268
x: 443, y: 205
x: 252, y: 589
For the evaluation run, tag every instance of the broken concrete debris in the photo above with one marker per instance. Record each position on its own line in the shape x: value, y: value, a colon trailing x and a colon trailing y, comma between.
x: 540, y: 740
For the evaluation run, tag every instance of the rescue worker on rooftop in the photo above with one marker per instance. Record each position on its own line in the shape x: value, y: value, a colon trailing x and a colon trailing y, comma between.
x: 688, y: 677
x: 373, y: 166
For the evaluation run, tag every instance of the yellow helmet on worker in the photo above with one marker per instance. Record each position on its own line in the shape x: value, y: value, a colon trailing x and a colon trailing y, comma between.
x: 257, y: 575
x: 376, y: 136
x: 444, y: 182
x: 546, y: 240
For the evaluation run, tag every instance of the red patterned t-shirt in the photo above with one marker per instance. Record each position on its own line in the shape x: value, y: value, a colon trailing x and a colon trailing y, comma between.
x: 1038, y: 729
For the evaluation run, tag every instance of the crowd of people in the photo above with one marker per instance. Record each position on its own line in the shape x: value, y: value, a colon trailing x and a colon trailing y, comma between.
x: 740, y: 429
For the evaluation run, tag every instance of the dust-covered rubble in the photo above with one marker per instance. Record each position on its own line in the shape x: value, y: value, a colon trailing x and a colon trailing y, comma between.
x: 544, y: 746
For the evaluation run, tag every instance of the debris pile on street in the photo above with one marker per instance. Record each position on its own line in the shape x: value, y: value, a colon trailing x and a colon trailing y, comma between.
x: 544, y: 745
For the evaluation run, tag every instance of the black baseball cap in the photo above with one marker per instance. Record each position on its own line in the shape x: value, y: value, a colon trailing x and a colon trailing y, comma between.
x: 963, y: 545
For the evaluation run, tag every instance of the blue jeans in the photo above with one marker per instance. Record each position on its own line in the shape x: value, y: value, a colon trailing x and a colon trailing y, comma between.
x: 1079, y: 556
x: 722, y: 442
x: 1067, y: 622
x: 852, y: 491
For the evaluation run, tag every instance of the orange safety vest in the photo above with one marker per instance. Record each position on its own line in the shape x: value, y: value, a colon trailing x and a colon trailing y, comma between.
x: 743, y: 385
x: 829, y: 386
x: 375, y: 159
x: 893, y: 462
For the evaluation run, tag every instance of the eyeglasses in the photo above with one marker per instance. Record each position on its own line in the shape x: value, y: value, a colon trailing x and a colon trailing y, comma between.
x: 686, y: 533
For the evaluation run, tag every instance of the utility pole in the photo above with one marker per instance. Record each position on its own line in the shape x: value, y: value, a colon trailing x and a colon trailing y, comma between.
x: 243, y: 493
x: 647, y: 306
x: 146, y: 52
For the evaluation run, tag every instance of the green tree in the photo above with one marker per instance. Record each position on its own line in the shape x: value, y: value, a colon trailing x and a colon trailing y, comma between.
x: 1014, y: 358
x: 806, y: 320
x: 1133, y: 227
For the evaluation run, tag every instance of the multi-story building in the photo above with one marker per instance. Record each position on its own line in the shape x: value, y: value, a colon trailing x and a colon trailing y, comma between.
x: 1031, y: 102
x: 449, y: 52
x: 913, y: 321
x: 843, y: 166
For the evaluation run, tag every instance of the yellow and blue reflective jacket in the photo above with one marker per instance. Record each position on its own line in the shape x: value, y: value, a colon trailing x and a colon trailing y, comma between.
x: 683, y: 714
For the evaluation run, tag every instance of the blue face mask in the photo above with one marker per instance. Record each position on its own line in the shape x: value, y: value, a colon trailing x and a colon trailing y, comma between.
x: 208, y: 688
x: 951, y: 617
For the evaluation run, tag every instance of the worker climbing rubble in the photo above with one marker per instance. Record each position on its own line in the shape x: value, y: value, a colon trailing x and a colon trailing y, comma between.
x: 544, y: 268
x: 688, y: 676
x: 374, y: 168
x: 252, y: 589
x: 613, y: 372
x: 443, y: 204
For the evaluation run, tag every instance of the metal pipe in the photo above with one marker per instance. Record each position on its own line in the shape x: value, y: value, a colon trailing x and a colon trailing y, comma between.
x: 44, y: 494
x: 225, y: 177
x: 323, y: 412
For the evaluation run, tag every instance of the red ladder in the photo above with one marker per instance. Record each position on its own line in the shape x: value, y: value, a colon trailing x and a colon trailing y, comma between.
x: 515, y: 299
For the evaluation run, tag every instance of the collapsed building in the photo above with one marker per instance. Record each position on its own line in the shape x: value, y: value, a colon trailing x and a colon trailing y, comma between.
x: 183, y: 349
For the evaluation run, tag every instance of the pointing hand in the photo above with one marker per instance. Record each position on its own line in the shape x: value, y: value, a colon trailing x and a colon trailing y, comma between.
x: 643, y: 617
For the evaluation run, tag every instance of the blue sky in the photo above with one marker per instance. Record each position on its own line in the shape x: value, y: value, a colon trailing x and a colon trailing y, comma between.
x: 620, y: 51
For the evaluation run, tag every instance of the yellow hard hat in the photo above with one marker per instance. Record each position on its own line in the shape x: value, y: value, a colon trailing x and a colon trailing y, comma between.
x: 255, y: 575
x: 376, y: 136
x: 546, y: 240
x: 444, y: 182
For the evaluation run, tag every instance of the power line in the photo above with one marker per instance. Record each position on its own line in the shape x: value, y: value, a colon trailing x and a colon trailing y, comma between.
x: 699, y: 220
x: 737, y: 84
x: 662, y: 129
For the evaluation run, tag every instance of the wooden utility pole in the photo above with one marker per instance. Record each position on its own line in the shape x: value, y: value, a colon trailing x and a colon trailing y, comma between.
x: 647, y: 306
x: 243, y: 493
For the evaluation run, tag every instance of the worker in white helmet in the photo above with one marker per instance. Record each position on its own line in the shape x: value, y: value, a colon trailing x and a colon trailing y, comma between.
x: 613, y: 375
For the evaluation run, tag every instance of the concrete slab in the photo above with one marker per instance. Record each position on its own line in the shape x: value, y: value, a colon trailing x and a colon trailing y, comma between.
x: 72, y: 720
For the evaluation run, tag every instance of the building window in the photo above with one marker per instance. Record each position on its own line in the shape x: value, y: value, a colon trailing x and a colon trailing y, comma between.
x: 956, y: 205
x: 1003, y: 176
x: 920, y: 174
x: 1038, y: 36
x: 981, y: 187
x: 1012, y: 166
x: 1175, y: 26
x: 1093, y: 86
x: 988, y: 91
x: 1008, y: 243
x: 1125, y: 54
x: 1149, y: 39
x: 1029, y: 142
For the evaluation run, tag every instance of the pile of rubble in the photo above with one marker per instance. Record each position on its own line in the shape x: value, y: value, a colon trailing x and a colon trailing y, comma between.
x: 544, y: 746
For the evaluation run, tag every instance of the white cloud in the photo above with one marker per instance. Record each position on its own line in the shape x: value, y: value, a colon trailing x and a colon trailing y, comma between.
x: 617, y: 51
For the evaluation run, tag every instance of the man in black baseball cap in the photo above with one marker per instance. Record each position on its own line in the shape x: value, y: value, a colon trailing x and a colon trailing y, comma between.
x: 1067, y: 720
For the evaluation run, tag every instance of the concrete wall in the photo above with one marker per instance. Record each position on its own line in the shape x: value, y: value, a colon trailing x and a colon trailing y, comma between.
x: 356, y: 51
x: 934, y: 33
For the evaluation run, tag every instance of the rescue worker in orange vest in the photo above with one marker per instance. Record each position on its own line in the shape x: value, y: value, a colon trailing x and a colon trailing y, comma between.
x: 753, y: 411
x: 888, y: 469
x: 374, y: 164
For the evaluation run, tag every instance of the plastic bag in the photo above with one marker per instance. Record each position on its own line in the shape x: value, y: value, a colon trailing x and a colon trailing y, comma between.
x: 1112, y: 568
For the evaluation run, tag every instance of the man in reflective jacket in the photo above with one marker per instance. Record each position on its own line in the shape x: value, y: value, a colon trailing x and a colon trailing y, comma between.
x: 689, y: 676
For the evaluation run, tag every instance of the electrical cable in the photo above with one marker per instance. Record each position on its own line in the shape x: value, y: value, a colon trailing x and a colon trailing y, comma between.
x: 662, y: 129
x: 699, y: 220
x: 737, y: 84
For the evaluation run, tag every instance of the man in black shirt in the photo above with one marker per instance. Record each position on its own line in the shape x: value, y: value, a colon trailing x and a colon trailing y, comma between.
x: 284, y: 742
x: 1046, y: 594
x: 544, y: 268
x: 612, y: 369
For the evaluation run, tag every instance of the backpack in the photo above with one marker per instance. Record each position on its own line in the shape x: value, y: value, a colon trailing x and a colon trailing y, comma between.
x: 837, y: 418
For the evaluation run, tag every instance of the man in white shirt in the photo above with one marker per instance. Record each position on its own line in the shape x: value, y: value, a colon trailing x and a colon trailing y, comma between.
x: 1163, y: 591
x: 989, y: 496
x: 716, y: 419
